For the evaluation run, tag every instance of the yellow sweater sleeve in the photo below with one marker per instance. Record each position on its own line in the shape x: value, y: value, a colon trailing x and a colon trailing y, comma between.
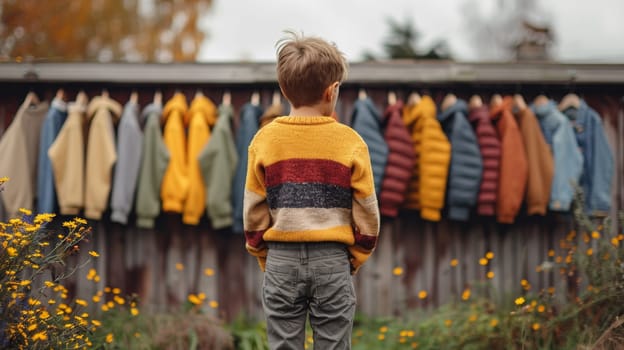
x: 365, y: 209
x: 256, y: 215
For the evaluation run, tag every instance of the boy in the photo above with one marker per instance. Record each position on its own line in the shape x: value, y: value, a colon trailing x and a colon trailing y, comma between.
x: 310, y: 210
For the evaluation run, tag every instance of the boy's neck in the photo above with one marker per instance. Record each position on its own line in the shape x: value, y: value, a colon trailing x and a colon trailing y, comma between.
x: 309, y: 111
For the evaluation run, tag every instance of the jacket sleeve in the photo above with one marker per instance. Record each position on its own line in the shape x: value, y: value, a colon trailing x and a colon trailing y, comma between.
x: 434, y: 159
x: 195, y: 204
x: 101, y: 157
x: 568, y: 166
x: 465, y: 170
x: 130, y: 144
x: 218, y: 162
x: 175, y: 182
x: 513, y: 172
x: 153, y: 164
x: 256, y: 215
x: 599, y: 201
x: 365, y: 209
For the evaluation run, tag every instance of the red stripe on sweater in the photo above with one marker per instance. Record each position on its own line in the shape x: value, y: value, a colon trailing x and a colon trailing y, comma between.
x: 254, y: 238
x: 308, y: 171
x: 365, y: 241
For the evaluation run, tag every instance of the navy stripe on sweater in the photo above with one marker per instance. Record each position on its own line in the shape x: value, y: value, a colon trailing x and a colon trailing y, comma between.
x: 308, y: 195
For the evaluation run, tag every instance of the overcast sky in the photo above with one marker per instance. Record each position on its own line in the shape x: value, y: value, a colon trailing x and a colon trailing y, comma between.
x: 586, y: 31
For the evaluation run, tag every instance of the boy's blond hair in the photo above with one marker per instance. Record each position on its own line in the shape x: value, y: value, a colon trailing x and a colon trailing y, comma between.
x: 306, y: 66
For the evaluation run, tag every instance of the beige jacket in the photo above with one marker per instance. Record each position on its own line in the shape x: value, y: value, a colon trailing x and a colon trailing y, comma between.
x: 67, y: 158
x: 19, y: 151
x: 101, y: 155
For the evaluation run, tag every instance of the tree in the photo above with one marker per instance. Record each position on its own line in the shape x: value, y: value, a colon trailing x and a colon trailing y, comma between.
x: 402, y: 40
x: 101, y: 30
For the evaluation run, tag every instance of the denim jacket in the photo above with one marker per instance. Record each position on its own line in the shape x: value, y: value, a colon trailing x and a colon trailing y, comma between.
x: 598, y: 158
x: 560, y: 136
x: 46, y: 194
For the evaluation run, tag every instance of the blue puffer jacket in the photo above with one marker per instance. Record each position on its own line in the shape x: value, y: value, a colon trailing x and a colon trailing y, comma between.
x: 366, y: 120
x: 597, y: 158
x: 247, y: 128
x: 560, y: 136
x: 466, y: 165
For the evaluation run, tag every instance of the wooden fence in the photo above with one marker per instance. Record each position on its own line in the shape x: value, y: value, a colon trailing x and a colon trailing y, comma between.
x: 417, y: 264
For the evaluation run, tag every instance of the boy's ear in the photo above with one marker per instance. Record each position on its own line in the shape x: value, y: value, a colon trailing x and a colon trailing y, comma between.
x: 329, y: 92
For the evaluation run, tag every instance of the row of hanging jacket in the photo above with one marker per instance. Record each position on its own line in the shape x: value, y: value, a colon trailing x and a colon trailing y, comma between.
x: 460, y: 158
x: 88, y: 156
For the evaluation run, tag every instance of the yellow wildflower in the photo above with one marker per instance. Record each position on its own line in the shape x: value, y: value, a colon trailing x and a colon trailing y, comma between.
x: 483, y: 261
x: 595, y: 235
x: 194, y: 299
x: 448, y: 323
x: 81, y: 302
x: 25, y: 211
x: 179, y: 266
x: 489, y: 255
x: 213, y: 304
x: 472, y: 318
x: 490, y: 274
x: 397, y: 271
x: 80, y: 221
x: 520, y: 301
x: 590, y: 251
x: 119, y: 300
x: 44, y: 315
x: 541, y: 308
x: 32, y: 327
x: 536, y: 326
x: 615, y: 241
x: 422, y: 294
x: 134, y: 311
x: 381, y: 337
x: 12, y: 252
x: 94, y: 254
x: 116, y: 290
x: 454, y: 262
x: 208, y: 272
x: 109, y: 338
x: 383, y: 329
x: 43, y: 336
x: 466, y: 294
x: 494, y: 322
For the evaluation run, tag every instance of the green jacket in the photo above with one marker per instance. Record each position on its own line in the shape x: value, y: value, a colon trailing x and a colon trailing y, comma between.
x: 217, y: 162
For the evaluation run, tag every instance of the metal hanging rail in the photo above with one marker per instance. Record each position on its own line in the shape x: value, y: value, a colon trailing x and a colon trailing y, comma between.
x: 402, y: 72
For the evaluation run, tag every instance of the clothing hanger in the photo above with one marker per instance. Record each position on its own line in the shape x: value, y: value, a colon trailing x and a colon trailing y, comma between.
x: 448, y: 101
x: 31, y: 99
x: 519, y: 102
x: 199, y: 93
x: 570, y: 100
x: 158, y: 98
x: 362, y: 94
x: 496, y: 100
x: 227, y: 98
x: 255, y: 98
x: 277, y: 98
x: 60, y: 95
x: 413, y: 98
x: 540, y: 100
x: 105, y: 93
x: 392, y: 98
x: 134, y: 97
x: 475, y: 102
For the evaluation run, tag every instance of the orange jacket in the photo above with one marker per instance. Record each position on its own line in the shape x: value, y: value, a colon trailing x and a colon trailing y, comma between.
x: 175, y: 184
x: 513, y: 163
x: 433, y: 153
x: 200, y: 118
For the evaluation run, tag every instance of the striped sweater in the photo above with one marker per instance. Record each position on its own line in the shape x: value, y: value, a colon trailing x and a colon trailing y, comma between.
x: 309, y: 179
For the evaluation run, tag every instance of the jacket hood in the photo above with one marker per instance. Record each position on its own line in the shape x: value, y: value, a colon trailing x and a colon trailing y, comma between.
x: 102, y: 102
x: 203, y: 106
x: 542, y: 111
x: 505, y: 106
x: 151, y: 109
x: 176, y: 104
x: 424, y: 108
x: 459, y: 107
x: 366, y: 106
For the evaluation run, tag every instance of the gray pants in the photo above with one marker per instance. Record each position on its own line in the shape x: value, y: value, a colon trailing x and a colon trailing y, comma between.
x: 308, y: 278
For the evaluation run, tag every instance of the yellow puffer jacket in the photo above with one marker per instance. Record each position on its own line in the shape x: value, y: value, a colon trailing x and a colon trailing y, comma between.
x: 175, y: 184
x: 427, y: 187
x: 201, y: 117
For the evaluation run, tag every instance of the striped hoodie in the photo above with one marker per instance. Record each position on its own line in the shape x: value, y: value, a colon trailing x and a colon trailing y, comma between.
x: 309, y: 179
